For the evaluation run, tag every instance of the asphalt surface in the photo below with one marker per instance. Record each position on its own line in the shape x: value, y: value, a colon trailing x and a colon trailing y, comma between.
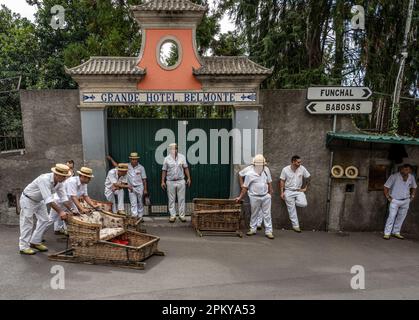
x: 310, y: 265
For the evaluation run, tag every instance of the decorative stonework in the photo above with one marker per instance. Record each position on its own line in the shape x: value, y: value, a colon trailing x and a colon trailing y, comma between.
x: 107, y: 66
x: 230, y: 66
x: 163, y: 20
x: 170, y: 5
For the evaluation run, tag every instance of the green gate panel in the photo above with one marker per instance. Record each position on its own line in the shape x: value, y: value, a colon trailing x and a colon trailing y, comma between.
x: 129, y: 135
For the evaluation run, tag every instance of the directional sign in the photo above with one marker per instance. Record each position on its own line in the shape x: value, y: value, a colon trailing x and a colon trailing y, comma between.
x: 338, y: 93
x: 339, y: 107
x: 168, y: 97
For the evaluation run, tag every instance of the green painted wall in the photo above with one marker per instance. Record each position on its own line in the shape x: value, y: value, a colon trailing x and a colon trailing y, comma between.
x: 128, y: 135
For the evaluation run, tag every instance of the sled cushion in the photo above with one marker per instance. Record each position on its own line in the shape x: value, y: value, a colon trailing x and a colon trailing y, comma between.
x: 109, y: 233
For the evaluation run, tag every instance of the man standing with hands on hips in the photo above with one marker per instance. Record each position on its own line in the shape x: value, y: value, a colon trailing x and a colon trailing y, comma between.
x: 173, y: 174
x: 399, y: 190
x: 292, y: 189
x: 137, y: 179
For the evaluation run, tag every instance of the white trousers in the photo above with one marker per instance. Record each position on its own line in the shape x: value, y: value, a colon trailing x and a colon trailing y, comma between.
x: 397, y: 213
x: 136, y: 200
x: 112, y: 198
x: 176, y: 188
x: 55, y: 219
x: 28, y: 209
x: 59, y: 224
x: 261, y: 205
x: 294, y: 199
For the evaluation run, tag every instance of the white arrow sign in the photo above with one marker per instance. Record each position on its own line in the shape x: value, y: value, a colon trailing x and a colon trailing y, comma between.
x: 338, y: 93
x: 339, y: 107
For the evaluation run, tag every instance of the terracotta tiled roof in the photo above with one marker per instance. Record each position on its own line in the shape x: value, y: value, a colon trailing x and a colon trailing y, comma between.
x: 230, y: 66
x: 107, y: 66
x: 169, y: 5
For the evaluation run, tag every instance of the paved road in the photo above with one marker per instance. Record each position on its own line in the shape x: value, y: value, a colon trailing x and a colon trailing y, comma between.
x: 311, y: 265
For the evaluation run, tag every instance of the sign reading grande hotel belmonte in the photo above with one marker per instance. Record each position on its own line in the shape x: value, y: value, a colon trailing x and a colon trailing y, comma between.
x: 167, y: 97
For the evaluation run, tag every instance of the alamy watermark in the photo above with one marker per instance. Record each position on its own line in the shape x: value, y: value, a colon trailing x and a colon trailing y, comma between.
x: 212, y: 149
x: 58, y: 280
x: 58, y: 17
x: 358, y: 19
x: 358, y: 280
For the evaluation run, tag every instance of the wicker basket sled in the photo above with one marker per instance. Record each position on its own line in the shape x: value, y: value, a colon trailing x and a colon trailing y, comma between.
x: 217, y: 217
x: 91, y: 243
x: 132, y: 223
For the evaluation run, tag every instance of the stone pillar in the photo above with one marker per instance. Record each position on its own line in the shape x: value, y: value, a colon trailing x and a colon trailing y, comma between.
x: 94, y: 138
x: 246, y: 119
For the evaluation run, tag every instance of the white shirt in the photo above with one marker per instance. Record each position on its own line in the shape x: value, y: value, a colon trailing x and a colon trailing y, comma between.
x: 257, y: 184
x: 174, y: 168
x: 244, y: 171
x: 400, y: 189
x: 43, y: 189
x: 113, y: 178
x: 294, y: 179
x: 136, y: 175
x: 74, y: 187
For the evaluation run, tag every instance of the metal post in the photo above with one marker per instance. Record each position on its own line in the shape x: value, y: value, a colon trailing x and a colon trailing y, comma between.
x: 329, y: 181
x: 395, y: 109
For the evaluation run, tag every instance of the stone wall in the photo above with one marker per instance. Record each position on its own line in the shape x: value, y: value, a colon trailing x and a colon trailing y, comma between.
x: 289, y: 129
x: 52, y: 130
x: 51, y: 123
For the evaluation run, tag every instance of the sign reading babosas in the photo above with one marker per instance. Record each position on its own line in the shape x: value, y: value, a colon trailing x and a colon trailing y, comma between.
x: 161, y: 97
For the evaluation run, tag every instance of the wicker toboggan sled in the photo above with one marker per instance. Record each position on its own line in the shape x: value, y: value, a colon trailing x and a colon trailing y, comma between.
x: 217, y: 217
x: 132, y: 223
x: 105, y: 239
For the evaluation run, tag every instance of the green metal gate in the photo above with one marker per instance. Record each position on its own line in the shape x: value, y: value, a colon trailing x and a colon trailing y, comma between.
x: 129, y: 135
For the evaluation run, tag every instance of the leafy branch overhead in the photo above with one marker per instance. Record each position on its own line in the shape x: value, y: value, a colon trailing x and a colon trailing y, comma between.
x: 307, y: 42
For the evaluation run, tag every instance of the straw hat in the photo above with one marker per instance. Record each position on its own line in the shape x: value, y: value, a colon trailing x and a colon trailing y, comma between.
x: 122, y: 167
x: 134, y: 155
x: 87, y: 172
x: 173, y: 145
x: 259, y: 160
x: 61, y: 170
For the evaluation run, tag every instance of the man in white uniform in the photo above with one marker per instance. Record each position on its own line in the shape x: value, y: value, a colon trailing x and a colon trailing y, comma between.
x: 137, y: 180
x: 59, y: 225
x: 292, y: 189
x: 76, y: 189
x: 242, y: 174
x: 173, y: 174
x: 115, y: 183
x: 399, y: 190
x: 258, y: 185
x: 34, y: 200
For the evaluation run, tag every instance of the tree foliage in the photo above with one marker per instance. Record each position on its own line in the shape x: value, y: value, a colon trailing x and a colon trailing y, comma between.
x: 311, y: 42
x: 307, y: 42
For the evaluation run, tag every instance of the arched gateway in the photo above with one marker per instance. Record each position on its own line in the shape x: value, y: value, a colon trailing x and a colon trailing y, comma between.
x: 169, y: 74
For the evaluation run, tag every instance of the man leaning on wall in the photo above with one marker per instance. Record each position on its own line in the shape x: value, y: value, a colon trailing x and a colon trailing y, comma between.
x: 293, y: 185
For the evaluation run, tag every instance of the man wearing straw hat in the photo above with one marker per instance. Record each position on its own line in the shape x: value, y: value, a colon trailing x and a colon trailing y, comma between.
x: 137, y: 180
x: 258, y: 185
x: 34, y: 200
x: 242, y: 175
x: 76, y: 188
x: 115, y: 183
x: 59, y: 224
x: 173, y: 174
